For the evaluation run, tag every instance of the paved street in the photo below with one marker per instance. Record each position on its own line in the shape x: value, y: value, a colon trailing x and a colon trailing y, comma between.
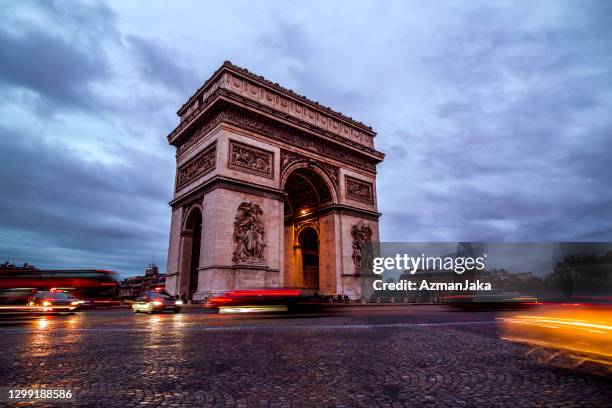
x: 352, y: 356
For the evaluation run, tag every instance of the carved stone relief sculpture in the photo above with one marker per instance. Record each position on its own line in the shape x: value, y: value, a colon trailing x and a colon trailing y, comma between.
x: 196, y: 167
x: 249, y: 234
x: 251, y: 159
x: 359, y: 190
x: 362, y: 246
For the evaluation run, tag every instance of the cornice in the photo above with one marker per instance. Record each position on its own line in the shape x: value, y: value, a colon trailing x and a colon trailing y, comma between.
x: 229, y: 66
x: 244, y: 86
x: 341, y: 209
x: 223, y: 111
x: 267, y: 192
x: 230, y: 184
x: 220, y: 95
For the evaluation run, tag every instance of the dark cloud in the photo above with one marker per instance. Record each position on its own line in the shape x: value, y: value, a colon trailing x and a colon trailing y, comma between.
x: 92, y: 21
x: 60, y: 56
x: 520, y: 145
x: 158, y: 63
x: 58, y: 209
x: 51, y: 67
x: 296, y: 46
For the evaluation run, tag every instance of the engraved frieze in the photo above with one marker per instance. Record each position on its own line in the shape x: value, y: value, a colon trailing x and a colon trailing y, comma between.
x: 278, y: 131
x: 265, y: 126
x: 209, y: 121
x: 199, y: 165
x: 251, y: 159
x: 317, y: 115
x: 358, y: 190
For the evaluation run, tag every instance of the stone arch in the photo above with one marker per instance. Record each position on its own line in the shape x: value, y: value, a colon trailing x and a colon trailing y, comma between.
x: 300, y: 227
x: 309, y: 195
x: 187, y: 218
x: 316, y: 169
x: 308, y: 247
x: 191, y: 241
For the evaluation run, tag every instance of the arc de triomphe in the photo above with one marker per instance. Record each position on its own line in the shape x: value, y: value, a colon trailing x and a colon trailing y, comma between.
x: 271, y: 190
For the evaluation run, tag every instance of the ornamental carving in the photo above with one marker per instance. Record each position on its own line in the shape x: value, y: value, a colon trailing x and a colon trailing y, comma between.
x: 251, y: 159
x: 248, y: 233
x: 318, y: 115
x: 359, y: 190
x: 288, y: 158
x: 362, y: 246
x: 331, y: 171
x: 248, y: 86
x: 199, y: 165
x: 312, y: 222
x: 278, y: 131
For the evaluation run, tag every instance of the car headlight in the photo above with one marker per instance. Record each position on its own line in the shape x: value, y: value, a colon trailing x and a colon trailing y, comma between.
x: 157, y: 303
x: 75, y: 303
x: 46, y: 303
x: 178, y: 302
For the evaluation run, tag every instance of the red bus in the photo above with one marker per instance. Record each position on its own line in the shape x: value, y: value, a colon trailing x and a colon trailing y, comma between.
x: 97, y: 287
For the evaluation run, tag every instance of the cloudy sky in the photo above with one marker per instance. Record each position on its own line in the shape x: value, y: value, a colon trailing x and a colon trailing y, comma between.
x: 496, y: 117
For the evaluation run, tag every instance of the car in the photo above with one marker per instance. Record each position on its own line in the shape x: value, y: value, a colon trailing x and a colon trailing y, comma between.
x: 492, y: 300
x: 266, y: 300
x: 54, y: 300
x: 155, y: 302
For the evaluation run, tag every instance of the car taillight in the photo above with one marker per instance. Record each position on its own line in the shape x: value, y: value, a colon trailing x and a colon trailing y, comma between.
x: 221, y: 299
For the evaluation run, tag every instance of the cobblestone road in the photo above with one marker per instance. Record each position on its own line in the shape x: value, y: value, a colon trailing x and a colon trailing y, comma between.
x: 362, y: 356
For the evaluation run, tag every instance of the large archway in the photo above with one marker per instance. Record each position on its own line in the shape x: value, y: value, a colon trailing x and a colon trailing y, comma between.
x: 308, y: 240
x: 190, y: 262
x: 308, y: 193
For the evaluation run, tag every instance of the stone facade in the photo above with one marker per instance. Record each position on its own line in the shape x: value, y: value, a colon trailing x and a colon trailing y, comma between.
x: 270, y: 187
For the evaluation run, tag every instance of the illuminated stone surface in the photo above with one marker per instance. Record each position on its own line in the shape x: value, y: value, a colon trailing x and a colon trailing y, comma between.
x: 245, y: 141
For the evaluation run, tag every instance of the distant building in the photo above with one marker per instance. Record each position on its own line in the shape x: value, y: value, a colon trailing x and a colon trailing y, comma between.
x: 584, y: 275
x: 132, y: 287
x: 8, y: 266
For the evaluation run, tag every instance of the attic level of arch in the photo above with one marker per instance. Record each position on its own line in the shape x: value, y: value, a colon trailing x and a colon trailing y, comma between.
x: 234, y: 83
x: 317, y: 142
